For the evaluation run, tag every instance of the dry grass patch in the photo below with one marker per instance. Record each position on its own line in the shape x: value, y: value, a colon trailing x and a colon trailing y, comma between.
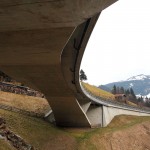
x: 98, y: 92
x: 5, y: 146
x: 24, y: 102
x: 132, y: 104
x: 124, y: 132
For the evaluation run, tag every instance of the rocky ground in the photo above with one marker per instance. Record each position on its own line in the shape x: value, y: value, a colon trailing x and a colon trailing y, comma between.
x: 13, y: 139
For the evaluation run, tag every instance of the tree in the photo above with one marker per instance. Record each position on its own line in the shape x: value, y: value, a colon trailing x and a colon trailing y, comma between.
x: 127, y: 92
x: 141, y: 99
x: 122, y: 90
x: 118, y: 90
x: 82, y: 75
x: 132, y: 93
x: 113, y: 90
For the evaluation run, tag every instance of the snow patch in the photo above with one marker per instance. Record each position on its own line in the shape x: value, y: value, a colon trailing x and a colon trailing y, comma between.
x: 138, y: 95
x: 139, y: 77
x: 131, y: 85
x: 144, y: 96
x: 148, y: 95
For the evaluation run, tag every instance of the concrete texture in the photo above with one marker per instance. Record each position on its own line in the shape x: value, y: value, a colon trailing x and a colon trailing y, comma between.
x: 41, y: 45
x: 46, y: 14
x: 94, y: 114
x: 110, y: 112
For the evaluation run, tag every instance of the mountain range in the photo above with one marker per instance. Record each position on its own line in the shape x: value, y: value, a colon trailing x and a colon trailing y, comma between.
x: 140, y: 84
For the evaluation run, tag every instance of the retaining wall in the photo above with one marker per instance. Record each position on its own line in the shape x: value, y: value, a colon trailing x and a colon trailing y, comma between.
x: 110, y: 112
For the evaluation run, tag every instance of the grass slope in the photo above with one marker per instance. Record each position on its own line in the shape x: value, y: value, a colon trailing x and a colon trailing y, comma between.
x: 5, y: 146
x: 98, y: 92
x: 24, y: 102
x: 132, y: 104
x: 37, y: 132
x: 102, y: 93
x: 117, y: 133
x: 45, y: 136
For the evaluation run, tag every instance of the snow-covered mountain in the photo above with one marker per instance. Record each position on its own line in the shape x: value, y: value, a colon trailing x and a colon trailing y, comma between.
x: 140, y: 84
x: 139, y: 77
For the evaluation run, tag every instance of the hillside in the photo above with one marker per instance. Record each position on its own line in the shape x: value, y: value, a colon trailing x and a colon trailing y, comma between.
x: 140, y: 84
x: 24, y: 102
x: 45, y: 136
x: 102, y: 93
x: 124, y: 132
x: 98, y: 92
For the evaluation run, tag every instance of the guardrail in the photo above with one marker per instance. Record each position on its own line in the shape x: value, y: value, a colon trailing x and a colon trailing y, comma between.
x: 107, y: 102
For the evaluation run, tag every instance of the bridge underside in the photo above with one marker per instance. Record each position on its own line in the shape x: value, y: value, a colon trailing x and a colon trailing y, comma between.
x: 42, y: 44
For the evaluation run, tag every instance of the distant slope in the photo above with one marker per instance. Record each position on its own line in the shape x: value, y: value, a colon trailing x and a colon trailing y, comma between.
x: 98, y: 92
x: 131, y: 103
x: 105, y: 88
x: 102, y: 93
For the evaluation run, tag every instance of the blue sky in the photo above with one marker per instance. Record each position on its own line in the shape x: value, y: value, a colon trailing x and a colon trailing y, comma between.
x: 119, y: 46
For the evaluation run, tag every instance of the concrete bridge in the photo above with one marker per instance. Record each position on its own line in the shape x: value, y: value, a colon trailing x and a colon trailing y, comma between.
x: 41, y: 45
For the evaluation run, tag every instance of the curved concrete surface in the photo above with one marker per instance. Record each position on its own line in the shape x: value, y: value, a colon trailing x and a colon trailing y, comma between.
x: 41, y: 45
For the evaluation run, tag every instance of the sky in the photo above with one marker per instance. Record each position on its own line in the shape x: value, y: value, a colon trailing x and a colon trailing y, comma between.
x: 119, y: 46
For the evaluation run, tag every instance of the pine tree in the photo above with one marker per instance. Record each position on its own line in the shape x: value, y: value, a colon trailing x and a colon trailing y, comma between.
x: 141, y: 99
x: 118, y: 90
x: 127, y: 92
x: 113, y: 91
x: 82, y: 75
x: 132, y: 93
x: 122, y: 91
